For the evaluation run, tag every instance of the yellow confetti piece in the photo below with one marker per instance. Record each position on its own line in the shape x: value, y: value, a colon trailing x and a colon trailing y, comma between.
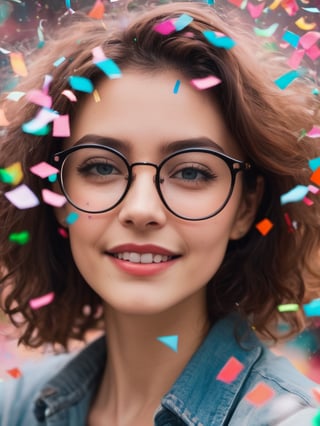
x: 274, y: 4
x: 289, y: 307
x: 15, y: 171
x: 17, y: 64
x: 96, y: 96
x: 303, y: 25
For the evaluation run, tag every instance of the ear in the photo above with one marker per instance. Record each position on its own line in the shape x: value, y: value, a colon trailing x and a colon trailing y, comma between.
x: 247, y: 210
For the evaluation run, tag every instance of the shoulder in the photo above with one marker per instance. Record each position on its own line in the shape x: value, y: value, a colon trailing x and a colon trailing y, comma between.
x: 18, y: 395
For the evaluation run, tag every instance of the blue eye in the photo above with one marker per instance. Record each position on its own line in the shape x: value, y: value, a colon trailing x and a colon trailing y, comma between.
x: 103, y: 169
x: 193, y: 174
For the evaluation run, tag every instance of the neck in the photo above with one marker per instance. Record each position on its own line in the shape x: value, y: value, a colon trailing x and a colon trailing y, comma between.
x: 140, y: 369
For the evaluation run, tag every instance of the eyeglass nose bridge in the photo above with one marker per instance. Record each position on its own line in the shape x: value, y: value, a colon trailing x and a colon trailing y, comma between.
x: 143, y: 163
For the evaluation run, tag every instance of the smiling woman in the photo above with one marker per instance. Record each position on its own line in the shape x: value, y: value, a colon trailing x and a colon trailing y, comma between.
x: 160, y: 174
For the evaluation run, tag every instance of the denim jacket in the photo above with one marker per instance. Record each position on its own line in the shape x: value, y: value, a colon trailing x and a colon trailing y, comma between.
x: 58, y: 390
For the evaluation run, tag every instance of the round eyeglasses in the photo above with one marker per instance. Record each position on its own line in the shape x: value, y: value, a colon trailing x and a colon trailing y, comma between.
x: 193, y: 183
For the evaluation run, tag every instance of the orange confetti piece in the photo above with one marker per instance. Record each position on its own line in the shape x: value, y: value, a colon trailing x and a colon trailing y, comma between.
x: 316, y: 394
x: 17, y: 64
x: 260, y: 394
x: 230, y: 370
x: 15, y: 373
x: 97, y: 11
x: 315, y: 177
x: 264, y: 226
x: 3, y: 119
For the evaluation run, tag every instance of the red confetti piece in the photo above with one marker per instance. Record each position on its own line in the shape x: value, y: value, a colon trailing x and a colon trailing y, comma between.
x: 63, y: 233
x: 41, y: 301
x: 288, y: 222
x: 230, y: 370
x: 264, y: 226
x: 15, y: 373
x: 260, y: 394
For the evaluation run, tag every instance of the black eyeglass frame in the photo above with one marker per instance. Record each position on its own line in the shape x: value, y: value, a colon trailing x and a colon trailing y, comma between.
x: 234, y: 165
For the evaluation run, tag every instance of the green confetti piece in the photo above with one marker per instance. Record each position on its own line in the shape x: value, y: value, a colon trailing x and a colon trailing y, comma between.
x: 43, y: 131
x: 289, y: 307
x: 6, y: 177
x: 316, y: 419
x: 21, y: 238
x: 267, y: 32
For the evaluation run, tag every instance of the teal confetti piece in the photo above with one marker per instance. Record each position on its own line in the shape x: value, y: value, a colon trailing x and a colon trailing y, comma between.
x: 311, y: 9
x: 71, y: 218
x: 223, y: 42
x: 295, y: 194
x: 211, y: 2
x: 68, y: 4
x: 82, y: 84
x: 53, y: 178
x: 110, y: 68
x: 266, y: 32
x: 183, y: 21
x: 291, y: 38
x: 315, y: 92
x: 316, y: 419
x: 42, y: 131
x: 59, y: 61
x: 6, y: 177
x: 312, y: 309
x: 20, y: 238
x: 314, y: 163
x: 176, y: 87
x: 170, y: 341
x: 286, y: 79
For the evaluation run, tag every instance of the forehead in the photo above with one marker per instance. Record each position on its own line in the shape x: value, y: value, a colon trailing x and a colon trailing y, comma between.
x: 146, y: 109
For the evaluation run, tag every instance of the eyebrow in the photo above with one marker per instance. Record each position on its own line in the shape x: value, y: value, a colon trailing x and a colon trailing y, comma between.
x: 166, y: 149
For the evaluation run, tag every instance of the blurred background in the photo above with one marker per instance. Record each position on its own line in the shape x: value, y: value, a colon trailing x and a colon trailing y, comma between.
x: 26, y: 25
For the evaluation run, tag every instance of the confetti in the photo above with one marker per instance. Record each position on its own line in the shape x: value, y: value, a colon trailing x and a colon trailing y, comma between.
x: 290, y: 7
x: 43, y: 169
x: 170, y: 341
x: 295, y: 59
x: 61, y: 126
x: 41, y: 301
x: 63, y: 232
x: 316, y: 393
x: 309, y: 39
x: 98, y: 54
x: 97, y: 10
x: 22, y: 197
x: 288, y: 307
x: 266, y: 32
x: 291, y: 38
x: 59, y: 61
x: 303, y: 25
x: 40, y: 98
x: 70, y: 95
x: 206, y: 82
x: 82, y: 84
x: 17, y: 64
x: 255, y: 10
x: 312, y: 309
x: 15, y: 171
x: 20, y: 238
x: 110, y: 68
x: 165, y: 28
x: 96, y: 96
x: 260, y: 394
x: 72, y: 218
x: 230, y: 370
x: 295, y: 194
x: 221, y: 41
x: 315, y: 177
x: 176, y: 87
x: 316, y: 419
x: 52, y: 198
x: 182, y: 22
x: 3, y: 119
x: 307, y: 201
x: 40, y: 34
x: 40, y: 121
x: 313, y: 189
x: 286, y: 79
x: 288, y: 222
x: 264, y: 226
x: 15, y: 96
x: 15, y: 373
x: 314, y: 132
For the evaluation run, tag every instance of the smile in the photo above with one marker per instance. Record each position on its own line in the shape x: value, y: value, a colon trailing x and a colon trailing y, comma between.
x: 145, y: 258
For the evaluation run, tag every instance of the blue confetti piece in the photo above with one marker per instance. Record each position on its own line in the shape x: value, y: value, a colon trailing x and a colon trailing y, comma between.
x: 110, y: 68
x: 170, y: 341
x: 53, y: 178
x: 295, y: 194
x: 286, y: 79
x: 71, y: 218
x: 291, y: 38
x: 176, y: 87
x: 82, y: 84
x: 314, y: 163
x: 183, y: 21
x: 68, y: 4
x: 211, y: 2
x: 223, y: 41
x: 59, y: 61
x: 312, y: 309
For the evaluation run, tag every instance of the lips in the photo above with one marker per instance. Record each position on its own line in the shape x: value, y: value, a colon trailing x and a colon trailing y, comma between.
x: 144, y: 254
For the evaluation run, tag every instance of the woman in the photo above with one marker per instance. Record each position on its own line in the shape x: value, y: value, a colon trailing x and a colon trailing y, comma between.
x: 180, y: 145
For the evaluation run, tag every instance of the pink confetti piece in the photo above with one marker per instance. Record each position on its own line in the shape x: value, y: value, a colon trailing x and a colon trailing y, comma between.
x: 255, y: 10
x: 52, y: 198
x: 313, y: 189
x: 165, y: 28
x: 206, y: 82
x: 313, y: 52
x: 63, y: 232
x: 70, y: 95
x: 307, y: 201
x: 41, y: 301
x: 314, y: 132
x: 61, y: 126
x: 260, y: 394
x: 309, y: 39
x: 39, y: 98
x: 98, y: 54
x: 295, y: 59
x: 230, y: 370
x: 43, y: 169
x: 22, y: 197
x: 290, y: 6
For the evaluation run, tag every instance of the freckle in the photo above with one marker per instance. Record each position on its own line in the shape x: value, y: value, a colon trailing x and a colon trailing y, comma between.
x: 89, y: 216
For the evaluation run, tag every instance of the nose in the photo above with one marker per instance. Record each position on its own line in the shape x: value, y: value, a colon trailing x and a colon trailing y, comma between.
x: 142, y: 207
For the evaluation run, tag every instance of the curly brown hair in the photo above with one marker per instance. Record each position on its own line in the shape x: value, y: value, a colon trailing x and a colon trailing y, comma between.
x: 258, y: 272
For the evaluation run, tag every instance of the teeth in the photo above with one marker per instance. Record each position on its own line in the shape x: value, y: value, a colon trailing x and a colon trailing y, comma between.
x: 142, y: 258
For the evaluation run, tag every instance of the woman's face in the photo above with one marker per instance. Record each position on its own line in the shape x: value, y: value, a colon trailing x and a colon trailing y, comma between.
x: 168, y: 260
